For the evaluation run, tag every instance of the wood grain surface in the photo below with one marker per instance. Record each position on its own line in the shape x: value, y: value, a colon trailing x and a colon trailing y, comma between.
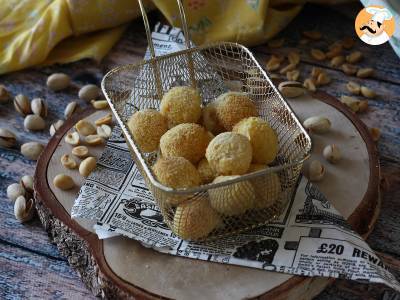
x: 31, y: 266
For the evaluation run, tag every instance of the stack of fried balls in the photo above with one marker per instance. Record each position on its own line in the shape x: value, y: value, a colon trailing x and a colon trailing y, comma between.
x: 212, y: 144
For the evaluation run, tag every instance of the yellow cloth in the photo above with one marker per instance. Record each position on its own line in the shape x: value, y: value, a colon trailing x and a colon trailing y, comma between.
x: 37, y: 32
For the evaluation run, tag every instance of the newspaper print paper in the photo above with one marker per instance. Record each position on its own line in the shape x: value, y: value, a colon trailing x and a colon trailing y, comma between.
x: 310, y: 238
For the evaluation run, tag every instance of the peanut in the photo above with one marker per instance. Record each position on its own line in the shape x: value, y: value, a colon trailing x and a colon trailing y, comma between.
x: 99, y: 104
x: 63, y: 182
x: 294, y: 58
x: 337, y: 61
x: 367, y: 92
x: 365, y: 72
x: 72, y: 138
x: 318, y: 54
x: 332, y: 153
x: 94, y: 140
x: 85, y: 128
x: 104, y: 131
x: 353, y: 87
x: 293, y: 75
x: 288, y: 68
x: 273, y: 64
x: 87, y: 166
x: 349, y: 69
x: 107, y: 120
x: 354, y: 57
x: 316, y: 171
x: 351, y: 102
x: 309, y: 85
x: 80, y: 151
x: 323, y: 79
x: 68, y: 161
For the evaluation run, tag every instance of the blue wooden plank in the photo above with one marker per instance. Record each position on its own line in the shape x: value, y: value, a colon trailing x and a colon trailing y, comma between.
x: 26, y: 275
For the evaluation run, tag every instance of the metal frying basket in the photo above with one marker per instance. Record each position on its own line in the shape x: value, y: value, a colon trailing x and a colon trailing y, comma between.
x: 211, y: 69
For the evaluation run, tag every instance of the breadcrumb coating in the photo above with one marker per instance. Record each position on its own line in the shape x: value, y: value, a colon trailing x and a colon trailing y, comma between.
x: 207, y: 174
x: 229, y: 153
x: 181, y: 104
x: 267, y: 187
x: 147, y: 126
x: 195, y: 219
x: 176, y: 172
x: 233, y: 107
x: 187, y: 140
x: 233, y: 199
x: 263, y: 139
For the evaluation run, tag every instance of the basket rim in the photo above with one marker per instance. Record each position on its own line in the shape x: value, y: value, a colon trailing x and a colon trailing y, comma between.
x: 202, y: 188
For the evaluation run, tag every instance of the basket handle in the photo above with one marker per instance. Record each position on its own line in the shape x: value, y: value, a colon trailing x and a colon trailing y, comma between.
x: 185, y: 32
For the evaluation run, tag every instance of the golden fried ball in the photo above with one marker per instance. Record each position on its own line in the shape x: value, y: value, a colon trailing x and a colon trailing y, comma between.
x: 267, y: 187
x: 176, y: 172
x: 229, y: 153
x: 195, y: 219
x: 187, y: 140
x: 263, y: 139
x: 207, y: 174
x: 233, y: 107
x: 147, y: 126
x: 210, y: 119
x: 233, y: 199
x: 181, y: 104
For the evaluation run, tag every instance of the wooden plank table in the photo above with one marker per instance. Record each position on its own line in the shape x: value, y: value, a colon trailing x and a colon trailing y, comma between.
x: 32, y: 267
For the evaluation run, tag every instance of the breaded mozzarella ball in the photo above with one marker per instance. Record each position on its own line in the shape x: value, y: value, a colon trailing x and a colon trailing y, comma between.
x: 176, y: 172
x: 187, y: 140
x: 207, y: 174
x: 147, y: 126
x: 233, y: 199
x: 263, y: 139
x: 232, y: 107
x: 229, y: 153
x: 194, y: 220
x: 181, y: 104
x: 267, y: 187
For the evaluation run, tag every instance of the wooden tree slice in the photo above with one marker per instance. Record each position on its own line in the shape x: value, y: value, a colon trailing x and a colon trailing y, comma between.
x: 121, y: 267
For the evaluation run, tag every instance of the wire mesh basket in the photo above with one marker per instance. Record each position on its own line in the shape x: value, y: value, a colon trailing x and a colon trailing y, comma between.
x: 243, y: 202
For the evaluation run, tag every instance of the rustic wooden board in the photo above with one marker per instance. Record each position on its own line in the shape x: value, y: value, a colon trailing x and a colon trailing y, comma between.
x: 145, y: 272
